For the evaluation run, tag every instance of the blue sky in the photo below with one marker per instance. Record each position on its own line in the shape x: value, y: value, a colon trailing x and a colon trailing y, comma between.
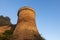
x: 47, y: 15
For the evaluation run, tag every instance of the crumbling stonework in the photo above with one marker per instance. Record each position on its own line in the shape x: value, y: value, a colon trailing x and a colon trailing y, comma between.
x: 26, y: 26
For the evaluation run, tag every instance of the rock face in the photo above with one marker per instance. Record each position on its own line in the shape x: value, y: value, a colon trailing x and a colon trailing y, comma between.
x: 4, y: 24
x: 26, y: 26
x: 4, y: 28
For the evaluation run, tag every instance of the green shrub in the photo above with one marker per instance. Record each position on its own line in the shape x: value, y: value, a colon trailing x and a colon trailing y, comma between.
x: 4, y: 21
x: 7, y: 35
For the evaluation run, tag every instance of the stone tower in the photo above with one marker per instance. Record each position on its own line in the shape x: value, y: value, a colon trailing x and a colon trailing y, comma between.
x: 26, y: 26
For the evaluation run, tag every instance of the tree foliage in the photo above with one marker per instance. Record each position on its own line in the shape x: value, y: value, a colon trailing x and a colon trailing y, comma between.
x: 4, y: 21
x: 7, y: 35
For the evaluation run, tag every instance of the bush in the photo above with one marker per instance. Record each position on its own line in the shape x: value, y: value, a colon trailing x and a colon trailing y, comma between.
x: 7, y: 35
x: 4, y: 21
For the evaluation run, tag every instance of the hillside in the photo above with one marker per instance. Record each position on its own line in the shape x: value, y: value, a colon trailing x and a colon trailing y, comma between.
x: 25, y: 29
x: 6, y: 28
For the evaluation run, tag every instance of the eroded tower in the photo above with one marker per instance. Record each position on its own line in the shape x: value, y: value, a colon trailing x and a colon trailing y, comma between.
x: 26, y: 26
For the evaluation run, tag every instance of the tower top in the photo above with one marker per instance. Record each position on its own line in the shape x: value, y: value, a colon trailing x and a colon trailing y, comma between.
x: 26, y: 8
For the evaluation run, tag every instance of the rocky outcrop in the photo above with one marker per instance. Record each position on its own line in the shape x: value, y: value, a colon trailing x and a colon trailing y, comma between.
x: 4, y: 21
x: 25, y: 29
x: 26, y: 26
x: 4, y: 24
x: 4, y: 28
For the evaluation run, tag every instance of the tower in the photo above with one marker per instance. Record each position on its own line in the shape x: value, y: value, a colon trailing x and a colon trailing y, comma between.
x: 26, y: 26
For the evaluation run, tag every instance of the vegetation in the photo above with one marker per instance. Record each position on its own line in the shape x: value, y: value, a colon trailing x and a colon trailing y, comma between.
x: 7, y: 35
x: 4, y: 21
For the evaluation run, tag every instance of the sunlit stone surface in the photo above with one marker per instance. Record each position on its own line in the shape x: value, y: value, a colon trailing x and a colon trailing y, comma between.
x: 26, y: 26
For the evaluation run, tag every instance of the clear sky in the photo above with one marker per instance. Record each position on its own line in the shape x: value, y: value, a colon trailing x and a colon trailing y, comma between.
x: 47, y: 15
